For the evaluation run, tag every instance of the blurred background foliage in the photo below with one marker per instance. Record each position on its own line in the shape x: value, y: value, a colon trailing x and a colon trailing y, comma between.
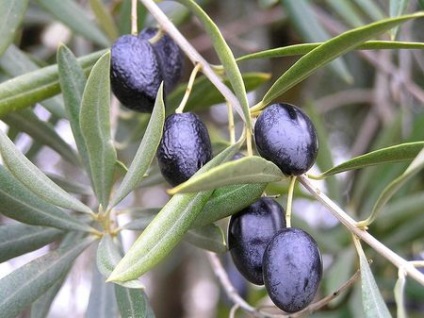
x: 363, y: 101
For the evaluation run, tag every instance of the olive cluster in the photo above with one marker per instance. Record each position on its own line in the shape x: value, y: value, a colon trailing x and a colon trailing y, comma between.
x: 266, y: 252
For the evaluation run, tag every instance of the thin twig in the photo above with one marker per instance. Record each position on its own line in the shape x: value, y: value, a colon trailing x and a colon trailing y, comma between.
x: 192, y: 53
x: 351, y: 225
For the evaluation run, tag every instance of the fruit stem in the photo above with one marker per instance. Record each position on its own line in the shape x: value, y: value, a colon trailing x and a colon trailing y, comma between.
x: 134, y: 27
x: 190, y: 83
x: 231, y: 126
x: 290, y: 200
x: 249, y: 141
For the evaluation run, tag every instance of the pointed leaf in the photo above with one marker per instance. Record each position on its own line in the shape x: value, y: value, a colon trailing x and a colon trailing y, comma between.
x: 41, y: 307
x: 35, y: 180
x: 11, y: 14
x: 75, y: 17
x: 72, y: 83
x: 18, y: 203
x: 133, y: 303
x: 108, y: 256
x: 104, y: 19
x: 95, y: 128
x: 373, y: 302
x: 146, y: 151
x: 397, y: 153
x: 209, y: 237
x: 23, y: 286
x: 30, y: 88
x: 167, y: 229
x: 251, y: 169
x: 19, y: 239
x: 102, y: 301
x: 26, y: 121
x: 328, y: 51
x: 306, y: 21
x: 225, y: 56
x: 227, y: 201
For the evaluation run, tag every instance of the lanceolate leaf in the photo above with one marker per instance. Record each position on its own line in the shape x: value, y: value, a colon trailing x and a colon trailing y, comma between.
x: 226, y: 57
x: 41, y: 307
x: 104, y: 19
x: 26, y: 121
x: 72, y: 82
x: 133, y: 303
x: 76, y: 18
x: 35, y: 180
x: 251, y: 169
x: 19, y: 239
x: 23, y: 286
x: 146, y: 151
x: 397, y: 153
x: 18, y: 203
x: 227, y: 201
x: 373, y: 302
x: 328, y: 51
x: 27, y: 89
x: 11, y: 15
x: 95, y: 127
x: 209, y: 237
x: 167, y: 229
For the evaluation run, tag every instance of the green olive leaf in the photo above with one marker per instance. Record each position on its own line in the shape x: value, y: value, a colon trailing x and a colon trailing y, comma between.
x: 209, y: 237
x: 15, y: 63
x: 104, y: 19
x: 32, y: 87
x: 225, y: 56
x: 34, y: 179
x: 133, y: 303
x: 306, y: 22
x: 252, y: 169
x: 95, y: 128
x: 19, y: 203
x: 327, y: 52
x: 25, y: 285
x: 11, y: 15
x: 71, y: 14
x: 372, y: 301
x: 146, y: 151
x: 167, y: 229
x: 41, y: 307
x: 19, y: 239
x: 102, y: 301
x: 227, y: 201
x: 72, y: 83
x: 304, y: 48
x: 397, y: 153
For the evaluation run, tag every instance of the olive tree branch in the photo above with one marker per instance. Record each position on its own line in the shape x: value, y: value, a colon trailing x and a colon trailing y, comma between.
x: 351, y: 224
x: 192, y: 54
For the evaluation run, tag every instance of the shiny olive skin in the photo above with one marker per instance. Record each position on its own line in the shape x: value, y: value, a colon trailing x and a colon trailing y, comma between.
x: 285, y: 135
x: 185, y: 147
x: 135, y: 73
x: 292, y: 268
x: 170, y: 57
x: 249, y: 233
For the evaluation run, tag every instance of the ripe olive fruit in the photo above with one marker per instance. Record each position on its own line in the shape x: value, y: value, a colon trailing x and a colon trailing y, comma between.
x: 135, y: 73
x: 292, y: 268
x: 249, y: 232
x: 170, y: 56
x: 285, y: 135
x: 185, y: 147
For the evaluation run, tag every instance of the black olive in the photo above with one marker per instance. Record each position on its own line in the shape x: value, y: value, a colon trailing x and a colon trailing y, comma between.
x: 249, y: 232
x: 292, y: 269
x: 135, y: 73
x: 285, y: 135
x: 185, y: 147
x: 170, y: 56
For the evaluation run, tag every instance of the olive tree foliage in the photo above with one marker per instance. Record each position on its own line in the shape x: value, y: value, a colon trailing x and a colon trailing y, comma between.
x: 356, y: 67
